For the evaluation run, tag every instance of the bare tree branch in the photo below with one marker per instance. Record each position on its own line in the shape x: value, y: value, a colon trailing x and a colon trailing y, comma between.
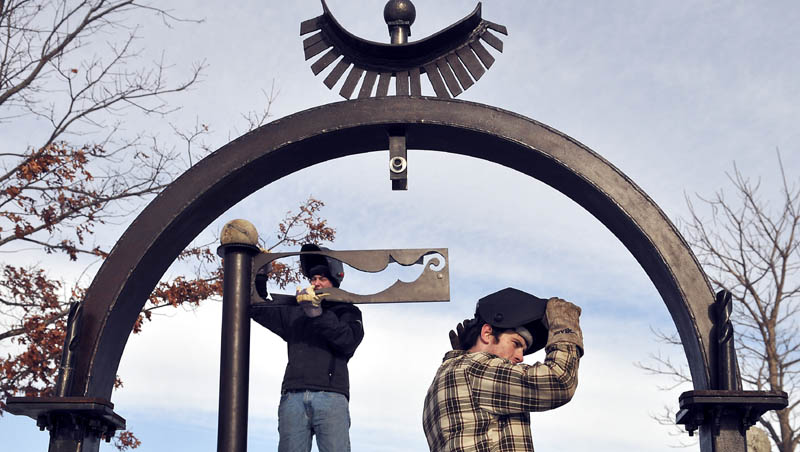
x: 751, y: 249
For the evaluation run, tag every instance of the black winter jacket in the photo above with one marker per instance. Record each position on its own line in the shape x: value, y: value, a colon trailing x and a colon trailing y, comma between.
x: 319, y: 348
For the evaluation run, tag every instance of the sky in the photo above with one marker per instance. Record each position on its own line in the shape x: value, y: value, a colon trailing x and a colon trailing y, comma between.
x: 671, y: 93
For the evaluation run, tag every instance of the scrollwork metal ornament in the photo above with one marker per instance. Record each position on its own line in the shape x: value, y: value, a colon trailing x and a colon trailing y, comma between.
x: 433, y: 285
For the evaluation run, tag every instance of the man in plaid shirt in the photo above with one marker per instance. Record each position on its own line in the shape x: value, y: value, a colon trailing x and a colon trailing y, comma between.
x: 482, y: 394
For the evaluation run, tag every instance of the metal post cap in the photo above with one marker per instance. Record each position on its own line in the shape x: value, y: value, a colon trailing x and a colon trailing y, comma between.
x: 399, y: 11
x: 239, y: 231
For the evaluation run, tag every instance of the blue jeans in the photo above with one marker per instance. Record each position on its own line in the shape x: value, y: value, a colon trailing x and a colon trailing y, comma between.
x: 304, y: 414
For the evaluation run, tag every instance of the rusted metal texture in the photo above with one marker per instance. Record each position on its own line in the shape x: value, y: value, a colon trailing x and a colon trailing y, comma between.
x: 442, y: 56
x: 172, y: 220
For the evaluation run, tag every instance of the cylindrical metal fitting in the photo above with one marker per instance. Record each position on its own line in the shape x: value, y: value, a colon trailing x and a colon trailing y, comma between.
x: 399, y: 15
x: 397, y: 164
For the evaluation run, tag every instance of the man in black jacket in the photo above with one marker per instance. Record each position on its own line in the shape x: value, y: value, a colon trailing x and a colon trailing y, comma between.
x: 321, y: 338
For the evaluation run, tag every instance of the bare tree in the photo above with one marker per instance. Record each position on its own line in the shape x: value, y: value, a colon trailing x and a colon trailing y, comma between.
x: 70, y: 73
x: 750, y: 247
x: 55, y: 191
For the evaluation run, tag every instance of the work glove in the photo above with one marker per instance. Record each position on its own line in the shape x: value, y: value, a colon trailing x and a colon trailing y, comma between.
x: 310, y: 301
x: 561, y: 321
x: 455, y: 342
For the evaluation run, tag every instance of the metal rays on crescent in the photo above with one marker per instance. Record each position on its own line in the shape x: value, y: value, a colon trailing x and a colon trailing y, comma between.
x: 452, y: 59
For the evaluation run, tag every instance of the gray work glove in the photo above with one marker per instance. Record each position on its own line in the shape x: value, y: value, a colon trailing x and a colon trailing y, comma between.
x: 561, y: 320
x: 310, y: 301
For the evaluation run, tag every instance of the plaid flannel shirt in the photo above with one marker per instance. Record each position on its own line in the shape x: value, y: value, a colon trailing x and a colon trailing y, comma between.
x: 479, y: 402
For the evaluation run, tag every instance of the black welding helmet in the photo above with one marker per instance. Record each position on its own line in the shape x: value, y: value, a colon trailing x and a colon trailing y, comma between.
x: 511, y: 308
x: 308, y: 262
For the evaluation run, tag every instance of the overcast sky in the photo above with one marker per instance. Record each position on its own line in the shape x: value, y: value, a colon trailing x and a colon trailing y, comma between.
x: 671, y: 93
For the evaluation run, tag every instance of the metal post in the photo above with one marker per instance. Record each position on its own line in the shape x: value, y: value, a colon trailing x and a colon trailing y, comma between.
x: 239, y: 240
x: 63, y: 385
x: 68, y: 436
x: 730, y: 428
x: 727, y: 368
x: 724, y: 413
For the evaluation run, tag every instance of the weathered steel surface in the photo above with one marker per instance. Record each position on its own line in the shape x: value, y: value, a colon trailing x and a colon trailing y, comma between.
x: 723, y: 416
x: 368, y: 84
x: 68, y: 352
x: 75, y: 423
x: 383, y: 84
x: 401, y: 83
x: 458, y: 42
x: 236, y: 170
x: 728, y: 376
x: 234, y: 374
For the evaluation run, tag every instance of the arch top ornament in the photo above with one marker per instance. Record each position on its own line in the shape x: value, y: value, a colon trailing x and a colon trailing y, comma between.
x: 452, y: 59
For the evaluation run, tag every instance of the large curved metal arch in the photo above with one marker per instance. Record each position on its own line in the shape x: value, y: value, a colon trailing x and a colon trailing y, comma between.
x: 193, y: 201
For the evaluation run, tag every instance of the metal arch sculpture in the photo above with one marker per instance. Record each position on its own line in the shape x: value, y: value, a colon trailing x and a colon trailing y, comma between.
x: 99, y: 327
x: 282, y: 147
x: 169, y: 223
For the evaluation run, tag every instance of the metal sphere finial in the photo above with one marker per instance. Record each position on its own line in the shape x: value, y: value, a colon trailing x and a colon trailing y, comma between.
x: 239, y: 232
x: 399, y: 10
x: 453, y: 59
x: 399, y: 15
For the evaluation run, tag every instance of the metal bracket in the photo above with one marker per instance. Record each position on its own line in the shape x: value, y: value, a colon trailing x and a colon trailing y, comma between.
x: 709, y: 407
x: 433, y: 285
x: 84, y: 415
x: 398, y: 160
x: 71, y: 341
